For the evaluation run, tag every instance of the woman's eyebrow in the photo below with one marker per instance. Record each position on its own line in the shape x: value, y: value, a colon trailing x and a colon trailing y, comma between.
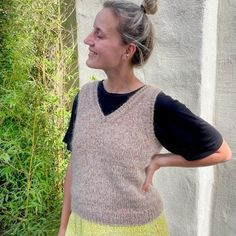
x: 98, y: 29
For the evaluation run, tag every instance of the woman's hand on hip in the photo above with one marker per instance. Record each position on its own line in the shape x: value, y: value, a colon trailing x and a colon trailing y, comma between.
x: 150, y: 170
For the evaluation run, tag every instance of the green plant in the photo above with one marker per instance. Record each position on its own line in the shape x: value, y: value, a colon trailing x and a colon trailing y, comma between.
x: 37, y: 78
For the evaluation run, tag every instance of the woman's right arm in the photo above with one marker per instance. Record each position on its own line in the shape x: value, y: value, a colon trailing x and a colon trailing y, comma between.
x: 66, y: 209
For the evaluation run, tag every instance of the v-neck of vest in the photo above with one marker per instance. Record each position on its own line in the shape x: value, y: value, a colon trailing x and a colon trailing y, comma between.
x: 120, y: 109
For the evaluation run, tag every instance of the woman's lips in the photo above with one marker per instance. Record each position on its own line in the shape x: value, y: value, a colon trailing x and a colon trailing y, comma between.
x: 91, y: 52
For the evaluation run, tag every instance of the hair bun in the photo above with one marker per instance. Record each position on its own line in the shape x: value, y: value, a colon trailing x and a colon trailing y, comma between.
x: 150, y: 6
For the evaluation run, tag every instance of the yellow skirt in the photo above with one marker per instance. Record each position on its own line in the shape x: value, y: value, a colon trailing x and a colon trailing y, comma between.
x: 81, y: 227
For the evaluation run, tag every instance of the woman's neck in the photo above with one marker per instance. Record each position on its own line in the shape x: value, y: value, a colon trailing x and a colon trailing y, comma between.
x: 121, y: 82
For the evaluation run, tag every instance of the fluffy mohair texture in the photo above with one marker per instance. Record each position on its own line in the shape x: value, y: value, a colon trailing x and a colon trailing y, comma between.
x: 109, y: 157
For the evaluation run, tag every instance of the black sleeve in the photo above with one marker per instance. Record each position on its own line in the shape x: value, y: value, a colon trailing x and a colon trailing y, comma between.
x: 182, y: 132
x: 68, y: 136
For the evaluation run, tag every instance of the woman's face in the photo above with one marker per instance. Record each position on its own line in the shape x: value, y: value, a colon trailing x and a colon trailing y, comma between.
x: 105, y: 47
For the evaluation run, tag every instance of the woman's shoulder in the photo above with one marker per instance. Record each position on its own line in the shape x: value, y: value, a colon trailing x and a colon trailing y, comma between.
x: 167, y: 103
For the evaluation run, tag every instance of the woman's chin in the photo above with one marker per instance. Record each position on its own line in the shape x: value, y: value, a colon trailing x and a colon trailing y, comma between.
x: 92, y: 65
x: 89, y: 64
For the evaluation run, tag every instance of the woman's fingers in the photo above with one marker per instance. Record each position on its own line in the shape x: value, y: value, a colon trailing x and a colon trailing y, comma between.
x: 149, y: 175
x: 150, y: 170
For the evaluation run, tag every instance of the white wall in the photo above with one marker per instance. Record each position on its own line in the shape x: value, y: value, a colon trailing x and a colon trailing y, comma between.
x: 188, y: 64
x: 224, y: 202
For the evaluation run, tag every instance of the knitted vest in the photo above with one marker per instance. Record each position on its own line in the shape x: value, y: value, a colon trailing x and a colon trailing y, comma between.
x: 109, y: 156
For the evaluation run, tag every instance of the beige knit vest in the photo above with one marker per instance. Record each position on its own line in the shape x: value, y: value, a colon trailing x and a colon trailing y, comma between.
x: 109, y: 156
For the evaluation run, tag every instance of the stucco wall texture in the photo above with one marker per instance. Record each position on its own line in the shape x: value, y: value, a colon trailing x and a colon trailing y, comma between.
x: 194, y: 61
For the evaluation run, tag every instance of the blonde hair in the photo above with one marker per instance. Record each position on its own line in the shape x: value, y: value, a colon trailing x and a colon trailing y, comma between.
x: 135, y: 26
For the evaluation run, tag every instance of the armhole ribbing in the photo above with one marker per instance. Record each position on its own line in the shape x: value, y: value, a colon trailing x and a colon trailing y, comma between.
x: 83, y: 91
x: 154, y: 94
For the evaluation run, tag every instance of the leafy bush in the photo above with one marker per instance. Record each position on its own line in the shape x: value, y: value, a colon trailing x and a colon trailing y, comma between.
x: 37, y: 75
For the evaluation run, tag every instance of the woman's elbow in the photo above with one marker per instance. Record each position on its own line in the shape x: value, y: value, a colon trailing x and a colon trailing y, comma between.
x: 228, y: 155
x: 225, y: 152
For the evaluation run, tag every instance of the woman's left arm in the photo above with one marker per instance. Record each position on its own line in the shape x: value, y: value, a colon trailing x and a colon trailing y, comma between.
x: 167, y: 160
x: 172, y: 160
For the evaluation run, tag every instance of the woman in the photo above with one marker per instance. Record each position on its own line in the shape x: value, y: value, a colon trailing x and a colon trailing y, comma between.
x: 117, y: 129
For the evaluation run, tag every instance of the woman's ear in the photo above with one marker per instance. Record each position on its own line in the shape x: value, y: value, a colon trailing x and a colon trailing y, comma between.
x: 130, y: 50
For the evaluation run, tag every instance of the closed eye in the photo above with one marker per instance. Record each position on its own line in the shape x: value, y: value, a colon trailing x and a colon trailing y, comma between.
x: 98, y: 33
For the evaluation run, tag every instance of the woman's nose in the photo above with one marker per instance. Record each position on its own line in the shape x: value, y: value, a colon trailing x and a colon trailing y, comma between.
x: 89, y: 40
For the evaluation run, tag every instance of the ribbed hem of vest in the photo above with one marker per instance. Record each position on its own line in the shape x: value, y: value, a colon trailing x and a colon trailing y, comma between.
x: 117, y: 218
